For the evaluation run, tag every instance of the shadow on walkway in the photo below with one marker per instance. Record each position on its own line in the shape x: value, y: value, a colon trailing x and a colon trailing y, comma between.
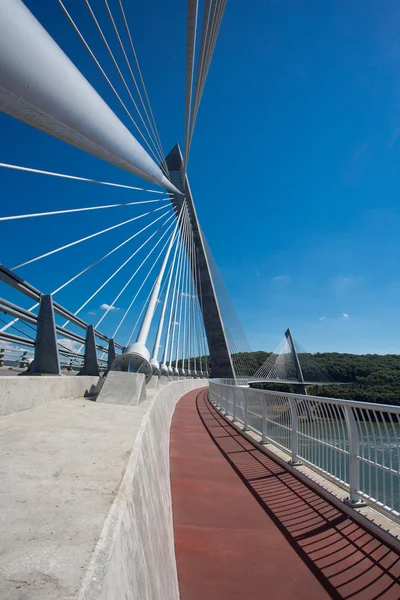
x: 347, y: 560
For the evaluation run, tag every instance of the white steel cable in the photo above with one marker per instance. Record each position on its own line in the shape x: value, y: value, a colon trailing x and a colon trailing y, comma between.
x: 174, y: 323
x: 157, y: 341
x: 140, y: 314
x: 208, y: 17
x: 132, y: 277
x: 185, y: 331
x: 115, y: 62
x: 75, y: 210
x: 188, y: 286
x: 140, y: 72
x: 190, y: 302
x: 183, y: 285
x: 178, y: 303
x: 192, y: 305
x: 199, y: 337
x: 154, y: 138
x: 214, y: 23
x: 204, y: 338
x: 88, y: 237
x: 195, y: 310
x: 121, y: 267
x: 173, y: 298
x: 146, y: 302
x: 143, y: 282
x: 90, y: 266
x: 204, y: 34
x: 76, y: 178
x: 196, y: 347
x: 200, y: 319
x: 102, y: 71
x: 149, y: 314
x: 171, y: 307
x: 191, y: 26
x: 129, y: 281
x: 189, y: 298
x: 180, y: 296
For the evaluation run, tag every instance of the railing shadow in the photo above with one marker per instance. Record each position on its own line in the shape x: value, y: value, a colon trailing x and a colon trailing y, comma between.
x: 347, y: 560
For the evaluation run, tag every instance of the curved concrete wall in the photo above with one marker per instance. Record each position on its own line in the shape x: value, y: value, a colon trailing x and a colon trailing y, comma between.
x: 135, y: 555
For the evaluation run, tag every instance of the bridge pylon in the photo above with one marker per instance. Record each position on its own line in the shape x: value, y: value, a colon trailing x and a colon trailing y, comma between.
x: 299, y: 373
x: 220, y: 357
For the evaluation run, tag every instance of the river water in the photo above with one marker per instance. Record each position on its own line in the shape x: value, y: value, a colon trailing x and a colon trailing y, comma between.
x: 378, y: 448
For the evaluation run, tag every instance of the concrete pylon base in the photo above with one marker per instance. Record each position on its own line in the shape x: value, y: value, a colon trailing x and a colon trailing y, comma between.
x: 153, y: 383
x: 123, y: 388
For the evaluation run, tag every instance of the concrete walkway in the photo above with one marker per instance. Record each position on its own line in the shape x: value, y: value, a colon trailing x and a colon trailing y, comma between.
x: 60, y: 468
x: 246, y: 528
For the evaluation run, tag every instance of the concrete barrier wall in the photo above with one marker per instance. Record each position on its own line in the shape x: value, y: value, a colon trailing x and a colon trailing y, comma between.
x: 25, y: 392
x: 135, y: 555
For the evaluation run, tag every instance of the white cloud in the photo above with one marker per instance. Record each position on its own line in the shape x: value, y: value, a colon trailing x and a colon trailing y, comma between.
x: 284, y: 278
x: 108, y: 307
x: 91, y: 312
x: 257, y: 273
x: 68, y: 344
x: 346, y: 316
x: 322, y: 318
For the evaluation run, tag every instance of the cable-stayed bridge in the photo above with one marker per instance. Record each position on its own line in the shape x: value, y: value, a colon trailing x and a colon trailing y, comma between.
x: 72, y: 526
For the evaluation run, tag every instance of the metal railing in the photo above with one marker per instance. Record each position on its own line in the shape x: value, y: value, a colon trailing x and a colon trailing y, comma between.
x: 80, y: 357
x: 354, y: 444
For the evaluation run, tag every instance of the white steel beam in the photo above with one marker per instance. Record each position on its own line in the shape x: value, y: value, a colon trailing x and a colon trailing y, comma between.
x: 42, y: 87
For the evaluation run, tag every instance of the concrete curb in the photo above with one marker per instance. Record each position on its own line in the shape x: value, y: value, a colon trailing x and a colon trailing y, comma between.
x: 135, y: 553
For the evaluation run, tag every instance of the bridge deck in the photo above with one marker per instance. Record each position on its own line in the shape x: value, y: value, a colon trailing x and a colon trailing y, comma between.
x: 245, y: 528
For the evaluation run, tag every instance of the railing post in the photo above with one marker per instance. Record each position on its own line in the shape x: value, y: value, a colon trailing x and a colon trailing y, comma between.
x: 245, y: 410
x: 354, y: 451
x: 212, y: 393
x: 264, y: 428
x: 295, y: 433
x: 220, y: 396
x: 90, y: 364
x: 46, y: 360
x: 1, y: 357
x: 234, y: 405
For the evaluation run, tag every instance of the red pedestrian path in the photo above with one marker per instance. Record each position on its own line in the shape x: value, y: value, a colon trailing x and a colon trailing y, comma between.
x: 247, y: 528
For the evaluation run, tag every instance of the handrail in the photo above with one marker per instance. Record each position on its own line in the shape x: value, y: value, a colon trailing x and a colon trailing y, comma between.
x: 29, y: 290
x: 325, y: 399
x: 354, y: 444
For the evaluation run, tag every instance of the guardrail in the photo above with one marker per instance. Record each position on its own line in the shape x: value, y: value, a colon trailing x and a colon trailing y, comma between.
x: 354, y: 444
x: 48, y: 341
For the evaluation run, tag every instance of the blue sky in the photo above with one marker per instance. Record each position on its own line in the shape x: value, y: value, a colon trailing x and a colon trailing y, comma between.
x: 295, y: 165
